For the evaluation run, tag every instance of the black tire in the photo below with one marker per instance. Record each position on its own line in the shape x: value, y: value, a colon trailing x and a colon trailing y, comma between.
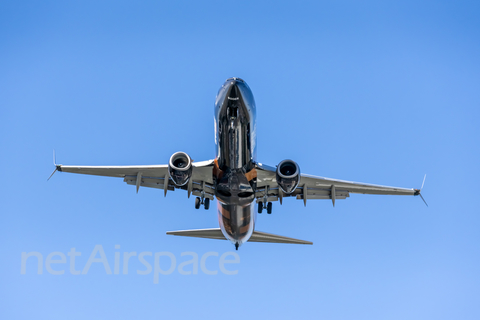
x: 269, y: 208
x: 206, y: 204
x: 197, y: 203
x: 260, y: 207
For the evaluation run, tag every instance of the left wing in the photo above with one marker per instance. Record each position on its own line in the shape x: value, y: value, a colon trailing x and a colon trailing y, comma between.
x: 154, y: 176
x: 312, y: 187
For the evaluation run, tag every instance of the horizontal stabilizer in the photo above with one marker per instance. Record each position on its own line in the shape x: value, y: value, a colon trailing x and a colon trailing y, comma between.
x: 257, y: 236
x: 214, y: 233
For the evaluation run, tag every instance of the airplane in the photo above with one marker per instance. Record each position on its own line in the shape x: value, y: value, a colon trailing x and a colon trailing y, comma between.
x: 234, y: 177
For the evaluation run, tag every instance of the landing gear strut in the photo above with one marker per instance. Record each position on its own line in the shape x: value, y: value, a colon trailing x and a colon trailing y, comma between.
x: 236, y: 245
x: 264, y: 203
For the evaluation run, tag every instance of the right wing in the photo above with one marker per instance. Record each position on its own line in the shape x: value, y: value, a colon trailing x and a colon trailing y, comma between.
x: 154, y: 176
x: 312, y: 187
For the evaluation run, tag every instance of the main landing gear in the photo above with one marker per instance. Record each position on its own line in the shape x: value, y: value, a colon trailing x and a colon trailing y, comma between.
x: 205, y: 202
x: 268, y: 207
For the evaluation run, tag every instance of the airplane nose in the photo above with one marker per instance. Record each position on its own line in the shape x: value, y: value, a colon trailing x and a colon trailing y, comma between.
x: 234, y: 79
x: 235, y: 94
x: 233, y: 88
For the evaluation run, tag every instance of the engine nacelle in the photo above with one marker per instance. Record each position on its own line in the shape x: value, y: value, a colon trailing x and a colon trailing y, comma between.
x: 288, y: 175
x: 180, y: 168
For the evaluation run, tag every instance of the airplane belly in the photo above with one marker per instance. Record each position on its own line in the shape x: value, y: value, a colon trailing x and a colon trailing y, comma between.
x: 234, y: 166
x: 237, y: 222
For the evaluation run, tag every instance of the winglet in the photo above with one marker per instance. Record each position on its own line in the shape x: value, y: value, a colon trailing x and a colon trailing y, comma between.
x: 418, y: 191
x: 58, y: 167
x: 423, y: 199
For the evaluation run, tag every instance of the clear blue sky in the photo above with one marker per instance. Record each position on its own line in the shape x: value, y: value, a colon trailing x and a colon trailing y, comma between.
x: 373, y: 92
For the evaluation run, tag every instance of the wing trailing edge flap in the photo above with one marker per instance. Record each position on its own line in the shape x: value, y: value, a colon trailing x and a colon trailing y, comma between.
x: 257, y: 236
x: 158, y: 183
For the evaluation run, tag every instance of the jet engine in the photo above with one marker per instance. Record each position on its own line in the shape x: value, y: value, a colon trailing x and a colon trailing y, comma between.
x: 180, y: 168
x: 288, y: 175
